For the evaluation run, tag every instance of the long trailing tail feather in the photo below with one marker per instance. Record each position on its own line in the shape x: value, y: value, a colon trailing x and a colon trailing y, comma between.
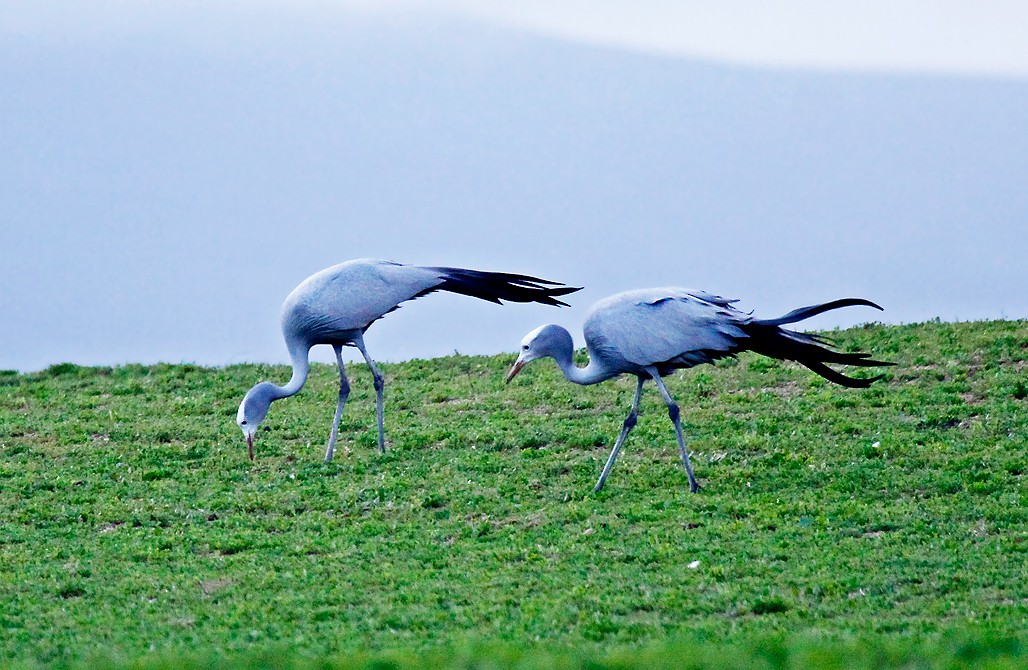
x: 807, y: 312
x: 810, y: 350
x: 839, y: 378
x: 499, y: 286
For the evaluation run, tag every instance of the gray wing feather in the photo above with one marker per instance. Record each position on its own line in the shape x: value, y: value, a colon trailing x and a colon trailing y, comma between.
x: 352, y: 295
x: 655, y: 326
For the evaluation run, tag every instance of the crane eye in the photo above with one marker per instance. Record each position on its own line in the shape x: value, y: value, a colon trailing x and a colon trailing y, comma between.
x: 242, y: 423
x: 524, y: 347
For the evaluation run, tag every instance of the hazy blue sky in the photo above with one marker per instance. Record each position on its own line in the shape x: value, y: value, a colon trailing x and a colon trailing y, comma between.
x: 172, y: 170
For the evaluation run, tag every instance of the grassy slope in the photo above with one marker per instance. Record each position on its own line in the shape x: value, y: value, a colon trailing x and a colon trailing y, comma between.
x: 133, y: 521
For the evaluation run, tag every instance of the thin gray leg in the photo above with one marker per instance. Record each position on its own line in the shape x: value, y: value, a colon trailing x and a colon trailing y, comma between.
x: 672, y: 410
x: 626, y: 428
x: 379, y: 391
x: 344, y: 393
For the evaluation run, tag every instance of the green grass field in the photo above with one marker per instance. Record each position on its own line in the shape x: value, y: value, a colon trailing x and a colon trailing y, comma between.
x: 885, y: 527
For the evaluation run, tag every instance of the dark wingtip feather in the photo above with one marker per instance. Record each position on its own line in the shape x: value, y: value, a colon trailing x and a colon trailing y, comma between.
x: 811, y: 350
x: 499, y: 286
x: 837, y: 377
x: 853, y: 302
x: 563, y: 291
x: 813, y: 310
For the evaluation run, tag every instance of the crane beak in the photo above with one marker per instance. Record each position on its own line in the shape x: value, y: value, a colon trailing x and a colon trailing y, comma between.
x: 516, y: 368
x: 249, y: 444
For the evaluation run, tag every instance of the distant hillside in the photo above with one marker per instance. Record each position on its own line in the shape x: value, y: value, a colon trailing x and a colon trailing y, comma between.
x: 162, y: 192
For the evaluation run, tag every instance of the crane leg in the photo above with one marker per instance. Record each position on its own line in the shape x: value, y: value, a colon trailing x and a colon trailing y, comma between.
x: 626, y: 428
x: 673, y: 413
x: 344, y: 393
x: 379, y: 393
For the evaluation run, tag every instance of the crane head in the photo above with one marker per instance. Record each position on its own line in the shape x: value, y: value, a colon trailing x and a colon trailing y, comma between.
x: 252, y: 411
x: 541, y: 342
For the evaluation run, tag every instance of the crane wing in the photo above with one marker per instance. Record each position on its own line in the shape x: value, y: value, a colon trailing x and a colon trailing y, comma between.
x: 352, y: 295
x: 666, y: 325
x: 332, y: 305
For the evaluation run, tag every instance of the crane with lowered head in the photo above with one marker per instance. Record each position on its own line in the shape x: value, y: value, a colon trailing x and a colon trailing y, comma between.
x: 337, y: 305
x: 651, y: 332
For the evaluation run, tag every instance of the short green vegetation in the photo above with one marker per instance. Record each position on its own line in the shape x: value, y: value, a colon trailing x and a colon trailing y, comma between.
x: 837, y: 528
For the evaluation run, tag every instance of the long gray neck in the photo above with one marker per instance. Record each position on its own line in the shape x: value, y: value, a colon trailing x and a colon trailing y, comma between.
x: 298, y: 353
x: 592, y: 373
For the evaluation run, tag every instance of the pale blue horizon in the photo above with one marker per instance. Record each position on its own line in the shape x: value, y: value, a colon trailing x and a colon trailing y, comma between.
x: 167, y: 184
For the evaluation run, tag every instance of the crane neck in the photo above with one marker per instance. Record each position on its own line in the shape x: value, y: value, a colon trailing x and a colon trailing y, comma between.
x: 593, y: 373
x: 299, y: 355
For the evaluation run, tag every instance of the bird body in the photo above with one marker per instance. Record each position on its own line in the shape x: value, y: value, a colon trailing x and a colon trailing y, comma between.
x: 682, y: 328
x: 335, y: 306
x: 652, y: 332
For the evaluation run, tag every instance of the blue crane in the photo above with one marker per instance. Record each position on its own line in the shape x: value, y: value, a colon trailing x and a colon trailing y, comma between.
x: 652, y: 332
x: 337, y: 305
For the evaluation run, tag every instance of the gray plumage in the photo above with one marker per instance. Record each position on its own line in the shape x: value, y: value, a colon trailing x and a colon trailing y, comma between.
x: 337, y: 305
x: 652, y: 332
